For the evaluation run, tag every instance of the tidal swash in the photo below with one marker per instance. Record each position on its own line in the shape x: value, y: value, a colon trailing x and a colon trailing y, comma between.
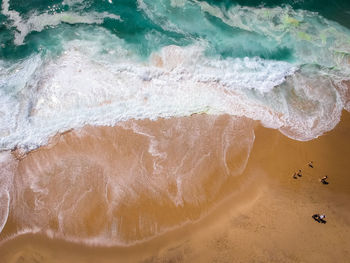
x: 70, y: 64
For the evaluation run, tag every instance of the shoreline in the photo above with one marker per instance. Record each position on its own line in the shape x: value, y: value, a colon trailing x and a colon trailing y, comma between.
x: 238, y: 222
x: 121, y: 147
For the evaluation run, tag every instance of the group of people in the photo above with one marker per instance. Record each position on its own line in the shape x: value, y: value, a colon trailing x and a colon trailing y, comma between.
x: 317, y: 217
x: 323, y: 180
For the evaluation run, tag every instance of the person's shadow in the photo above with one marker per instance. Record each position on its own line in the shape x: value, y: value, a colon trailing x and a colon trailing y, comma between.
x: 317, y: 218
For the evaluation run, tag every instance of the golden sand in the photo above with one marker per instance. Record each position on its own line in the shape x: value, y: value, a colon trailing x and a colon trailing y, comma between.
x: 224, y: 210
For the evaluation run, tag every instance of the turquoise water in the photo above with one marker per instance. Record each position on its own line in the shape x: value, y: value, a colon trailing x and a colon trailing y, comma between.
x: 64, y: 64
x: 169, y: 22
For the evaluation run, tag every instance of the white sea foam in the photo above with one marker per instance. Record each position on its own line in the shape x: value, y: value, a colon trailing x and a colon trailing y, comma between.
x: 38, y: 22
x: 313, y: 38
x: 14, y: 82
x: 4, y: 208
x: 98, y: 80
x: 157, y: 17
x: 75, y: 90
x: 7, y: 166
x: 84, y: 87
x: 309, y: 37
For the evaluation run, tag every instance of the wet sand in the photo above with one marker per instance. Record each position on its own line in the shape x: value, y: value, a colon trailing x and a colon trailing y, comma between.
x: 261, y: 215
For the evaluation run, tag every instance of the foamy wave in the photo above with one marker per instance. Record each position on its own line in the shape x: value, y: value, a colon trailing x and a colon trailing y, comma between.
x: 14, y: 82
x: 313, y: 38
x: 87, y: 86
x: 158, y: 17
x: 4, y: 208
x: 7, y: 167
x: 98, y: 80
x: 38, y: 22
x: 310, y: 38
x: 76, y: 89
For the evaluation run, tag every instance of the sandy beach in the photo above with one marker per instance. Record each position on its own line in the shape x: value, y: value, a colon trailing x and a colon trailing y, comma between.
x: 174, y: 131
x: 247, y: 208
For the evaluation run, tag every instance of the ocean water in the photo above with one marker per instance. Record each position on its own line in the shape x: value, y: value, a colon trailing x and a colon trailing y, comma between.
x: 64, y: 64
x: 67, y: 64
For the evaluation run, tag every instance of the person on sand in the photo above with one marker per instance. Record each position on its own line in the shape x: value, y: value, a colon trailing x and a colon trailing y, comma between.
x: 295, y: 176
x: 299, y: 173
x: 311, y: 164
x: 319, y: 218
x: 323, y: 180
